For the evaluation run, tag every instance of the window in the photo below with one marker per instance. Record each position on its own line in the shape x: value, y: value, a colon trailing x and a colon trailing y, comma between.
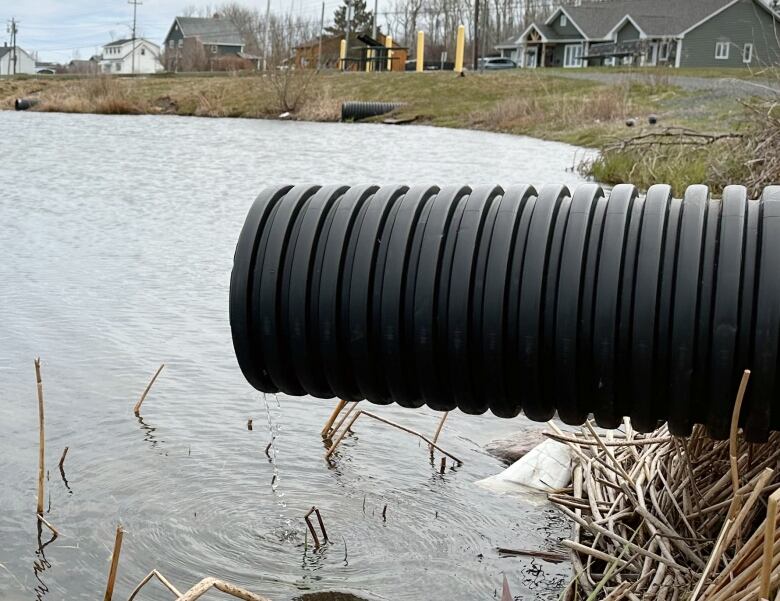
x: 722, y: 51
x: 213, y: 50
x: 118, y: 66
x: 181, y: 43
x: 572, y: 55
x: 143, y: 51
x: 747, y: 53
x: 564, y: 20
x: 170, y: 44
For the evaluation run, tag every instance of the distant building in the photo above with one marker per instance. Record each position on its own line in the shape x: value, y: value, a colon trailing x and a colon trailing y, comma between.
x: 84, y: 67
x: 678, y: 33
x: 363, y: 50
x: 16, y: 61
x: 195, y: 44
x: 118, y: 57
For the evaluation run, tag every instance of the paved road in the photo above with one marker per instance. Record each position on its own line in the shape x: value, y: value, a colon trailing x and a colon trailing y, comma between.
x: 718, y: 86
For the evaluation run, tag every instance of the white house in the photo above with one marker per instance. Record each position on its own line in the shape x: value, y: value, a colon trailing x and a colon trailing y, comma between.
x: 128, y: 56
x: 23, y: 63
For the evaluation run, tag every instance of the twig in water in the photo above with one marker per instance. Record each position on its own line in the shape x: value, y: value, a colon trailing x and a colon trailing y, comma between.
x: 114, y: 564
x: 384, y: 513
x: 438, y: 430
x: 43, y: 521
x: 137, y: 408
x: 41, y: 436
x: 207, y: 584
x: 249, y: 424
x: 307, y: 518
x: 326, y: 429
x: 161, y: 578
x: 268, y: 450
x: 443, y: 465
x: 62, y: 459
x: 341, y: 435
x: 545, y: 555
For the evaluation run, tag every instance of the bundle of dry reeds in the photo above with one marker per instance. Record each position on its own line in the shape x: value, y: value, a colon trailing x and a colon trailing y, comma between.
x: 661, y: 517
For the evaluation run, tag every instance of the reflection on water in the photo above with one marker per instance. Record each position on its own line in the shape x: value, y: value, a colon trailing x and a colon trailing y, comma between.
x: 116, y: 243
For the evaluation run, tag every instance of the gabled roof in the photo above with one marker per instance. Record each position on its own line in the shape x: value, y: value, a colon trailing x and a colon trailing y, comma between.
x: 124, y: 41
x: 8, y: 49
x: 219, y: 32
x: 596, y: 20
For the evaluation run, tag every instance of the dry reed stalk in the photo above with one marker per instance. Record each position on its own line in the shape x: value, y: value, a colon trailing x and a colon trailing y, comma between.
x: 438, y: 429
x: 769, y: 541
x: 344, y: 418
x: 114, y: 564
x: 340, y: 435
x: 161, y: 578
x: 205, y: 585
x: 137, y: 408
x: 654, y: 516
x: 43, y: 521
x: 41, y: 437
x: 326, y: 429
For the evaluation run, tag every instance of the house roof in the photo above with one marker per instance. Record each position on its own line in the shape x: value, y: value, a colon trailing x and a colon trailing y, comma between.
x: 654, y: 18
x: 7, y: 49
x: 210, y: 30
x: 124, y: 41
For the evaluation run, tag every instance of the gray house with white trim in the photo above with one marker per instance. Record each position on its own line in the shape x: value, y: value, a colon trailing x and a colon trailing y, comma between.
x: 211, y: 37
x: 678, y: 33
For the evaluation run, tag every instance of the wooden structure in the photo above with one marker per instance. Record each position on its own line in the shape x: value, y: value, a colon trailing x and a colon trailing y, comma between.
x: 363, y: 50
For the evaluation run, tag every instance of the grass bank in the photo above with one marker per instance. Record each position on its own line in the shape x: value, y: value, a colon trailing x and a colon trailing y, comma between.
x: 533, y: 103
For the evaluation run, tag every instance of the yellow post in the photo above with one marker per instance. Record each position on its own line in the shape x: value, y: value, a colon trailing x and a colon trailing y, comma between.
x: 369, y: 55
x: 420, y: 51
x: 389, y: 44
x: 459, y: 44
x: 343, y: 54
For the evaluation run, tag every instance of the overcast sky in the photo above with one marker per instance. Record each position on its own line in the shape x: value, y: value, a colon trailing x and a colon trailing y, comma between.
x: 59, y: 30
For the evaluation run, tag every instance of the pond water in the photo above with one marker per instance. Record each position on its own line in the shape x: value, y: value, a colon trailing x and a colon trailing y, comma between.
x: 116, y: 243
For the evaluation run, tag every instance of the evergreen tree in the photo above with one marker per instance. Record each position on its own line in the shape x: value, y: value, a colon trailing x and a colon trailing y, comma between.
x: 362, y: 19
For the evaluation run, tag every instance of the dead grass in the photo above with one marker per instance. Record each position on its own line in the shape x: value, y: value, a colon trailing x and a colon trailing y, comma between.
x: 102, y: 95
x: 602, y: 106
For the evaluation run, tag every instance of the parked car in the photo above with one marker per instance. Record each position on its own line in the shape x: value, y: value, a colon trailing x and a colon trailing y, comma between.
x: 491, y: 63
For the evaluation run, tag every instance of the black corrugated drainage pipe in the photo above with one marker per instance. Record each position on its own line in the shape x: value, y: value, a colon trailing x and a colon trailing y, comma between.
x: 22, y: 104
x: 515, y: 300
x: 355, y: 111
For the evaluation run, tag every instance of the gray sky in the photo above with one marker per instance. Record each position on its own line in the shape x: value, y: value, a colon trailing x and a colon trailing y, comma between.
x: 60, y: 29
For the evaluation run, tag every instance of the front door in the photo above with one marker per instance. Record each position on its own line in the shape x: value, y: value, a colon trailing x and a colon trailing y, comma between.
x: 572, y: 55
x: 651, y: 58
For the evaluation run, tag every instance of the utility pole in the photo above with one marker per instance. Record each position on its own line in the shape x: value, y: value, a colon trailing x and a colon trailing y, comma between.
x: 135, y: 4
x: 349, y: 27
x: 373, y: 28
x: 13, y: 30
x: 265, y: 34
x: 322, y: 29
x: 476, y: 35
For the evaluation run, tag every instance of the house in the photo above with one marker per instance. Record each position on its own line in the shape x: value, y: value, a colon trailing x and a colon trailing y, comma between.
x: 194, y: 43
x: 84, y: 67
x: 679, y: 33
x: 128, y: 56
x: 15, y: 61
x: 363, y: 50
